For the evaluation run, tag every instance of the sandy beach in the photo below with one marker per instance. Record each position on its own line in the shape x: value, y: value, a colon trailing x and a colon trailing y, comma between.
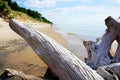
x: 15, y: 53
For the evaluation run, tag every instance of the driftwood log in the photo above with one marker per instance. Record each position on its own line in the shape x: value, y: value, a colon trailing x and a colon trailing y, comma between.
x: 99, y: 51
x: 61, y: 61
x: 10, y: 73
x: 65, y: 65
x: 110, y: 72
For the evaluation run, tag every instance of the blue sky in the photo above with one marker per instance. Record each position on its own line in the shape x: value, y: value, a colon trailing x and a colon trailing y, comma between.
x: 75, y: 15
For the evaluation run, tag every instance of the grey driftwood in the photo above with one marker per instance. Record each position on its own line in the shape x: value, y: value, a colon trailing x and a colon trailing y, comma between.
x: 64, y: 64
x: 99, y: 51
x: 61, y: 61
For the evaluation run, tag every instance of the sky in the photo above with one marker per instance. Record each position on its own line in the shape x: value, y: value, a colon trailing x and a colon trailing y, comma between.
x: 77, y: 16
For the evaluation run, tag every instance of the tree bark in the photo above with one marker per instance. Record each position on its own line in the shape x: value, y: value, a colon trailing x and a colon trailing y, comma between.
x: 110, y: 72
x: 60, y: 60
x: 13, y: 73
x: 99, y: 51
x: 116, y: 24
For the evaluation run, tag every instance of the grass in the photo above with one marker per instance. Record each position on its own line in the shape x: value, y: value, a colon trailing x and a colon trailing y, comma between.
x: 24, y: 17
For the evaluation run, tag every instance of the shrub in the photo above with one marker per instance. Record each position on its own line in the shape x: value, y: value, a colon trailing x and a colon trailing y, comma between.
x: 5, y: 9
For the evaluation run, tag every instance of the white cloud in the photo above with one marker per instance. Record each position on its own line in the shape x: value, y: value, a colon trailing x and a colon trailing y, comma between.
x: 47, y: 3
x: 77, y: 9
x: 73, y: 0
x: 82, y: 18
x: 113, y: 1
x: 56, y: 11
x: 118, y: 1
x: 80, y: 15
x: 39, y: 3
x: 86, y: 0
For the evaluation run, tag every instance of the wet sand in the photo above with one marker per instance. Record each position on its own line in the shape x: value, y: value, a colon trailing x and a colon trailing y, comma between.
x: 75, y: 44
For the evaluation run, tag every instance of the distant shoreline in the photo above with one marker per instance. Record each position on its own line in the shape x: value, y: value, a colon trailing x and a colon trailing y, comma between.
x: 86, y: 33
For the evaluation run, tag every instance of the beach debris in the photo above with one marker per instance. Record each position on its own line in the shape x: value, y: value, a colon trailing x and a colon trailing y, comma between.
x: 12, y: 74
x: 99, y: 51
x: 64, y: 64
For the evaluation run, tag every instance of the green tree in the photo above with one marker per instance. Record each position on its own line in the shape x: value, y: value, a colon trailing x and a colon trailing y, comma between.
x: 7, y: 5
x: 5, y: 9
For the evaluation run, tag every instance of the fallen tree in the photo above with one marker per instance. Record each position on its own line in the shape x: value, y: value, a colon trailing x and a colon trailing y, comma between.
x: 64, y: 64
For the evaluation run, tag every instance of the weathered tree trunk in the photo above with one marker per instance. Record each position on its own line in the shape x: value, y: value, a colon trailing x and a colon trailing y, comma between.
x: 113, y: 23
x: 99, y: 52
x: 11, y: 72
x: 116, y: 58
x: 110, y: 72
x: 61, y: 61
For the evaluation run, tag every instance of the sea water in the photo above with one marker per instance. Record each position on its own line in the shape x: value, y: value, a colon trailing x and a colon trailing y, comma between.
x: 87, y: 32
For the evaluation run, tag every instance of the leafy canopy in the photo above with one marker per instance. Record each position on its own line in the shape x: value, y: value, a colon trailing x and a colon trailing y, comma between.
x: 7, y: 5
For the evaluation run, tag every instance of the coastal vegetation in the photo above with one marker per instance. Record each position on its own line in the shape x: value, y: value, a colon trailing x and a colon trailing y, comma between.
x: 8, y: 9
x: 5, y: 10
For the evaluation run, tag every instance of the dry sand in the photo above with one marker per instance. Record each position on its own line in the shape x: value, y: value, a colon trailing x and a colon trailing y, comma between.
x: 15, y: 53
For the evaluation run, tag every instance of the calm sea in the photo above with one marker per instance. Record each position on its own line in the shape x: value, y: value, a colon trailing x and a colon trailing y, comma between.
x: 90, y: 33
